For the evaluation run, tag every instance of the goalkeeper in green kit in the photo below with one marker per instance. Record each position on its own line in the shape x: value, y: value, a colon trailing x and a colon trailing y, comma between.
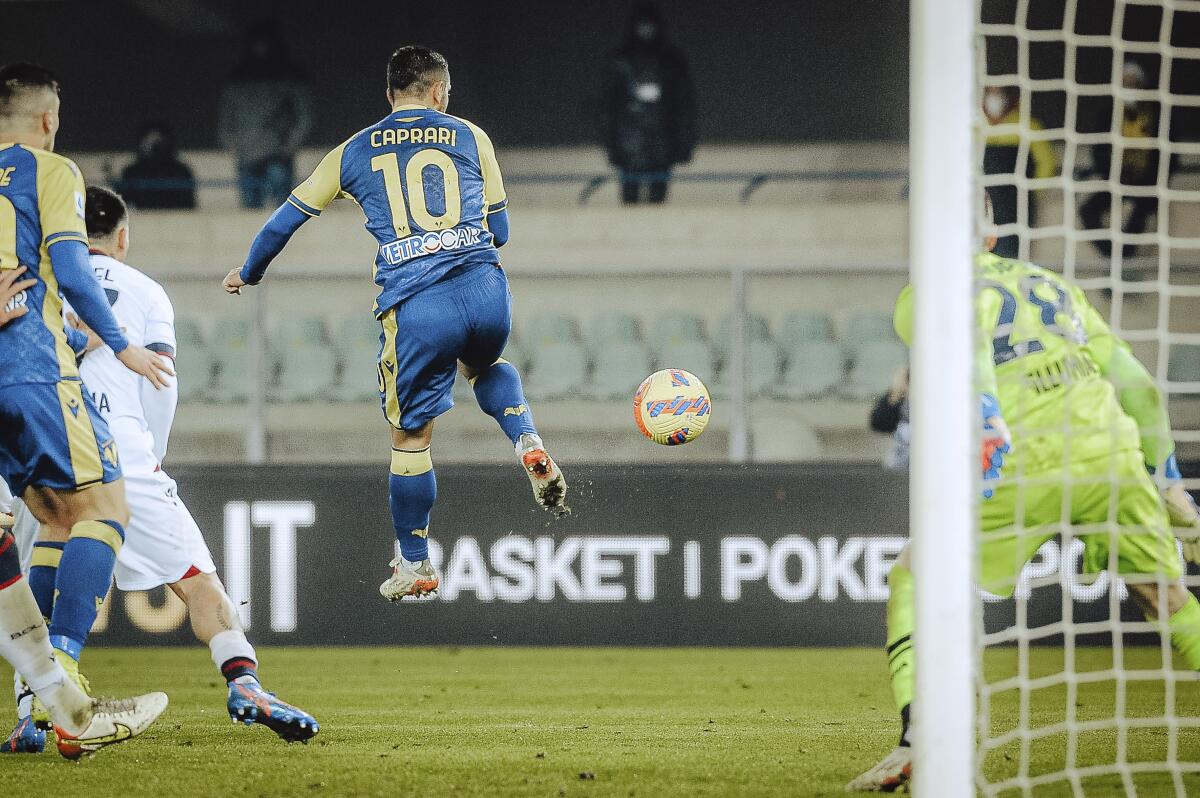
x: 1070, y: 418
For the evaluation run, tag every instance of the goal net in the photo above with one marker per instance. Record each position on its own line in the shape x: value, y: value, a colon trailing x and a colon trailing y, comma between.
x: 1090, y: 144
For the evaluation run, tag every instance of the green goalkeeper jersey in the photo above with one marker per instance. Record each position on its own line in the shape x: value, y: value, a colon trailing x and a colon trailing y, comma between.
x: 1068, y: 388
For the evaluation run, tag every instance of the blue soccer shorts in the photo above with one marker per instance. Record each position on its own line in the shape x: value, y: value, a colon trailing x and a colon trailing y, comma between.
x: 465, y: 317
x: 52, y: 436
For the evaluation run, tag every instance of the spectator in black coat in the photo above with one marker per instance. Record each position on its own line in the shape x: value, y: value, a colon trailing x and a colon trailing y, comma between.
x: 649, y: 113
x: 157, y: 178
x: 1137, y: 166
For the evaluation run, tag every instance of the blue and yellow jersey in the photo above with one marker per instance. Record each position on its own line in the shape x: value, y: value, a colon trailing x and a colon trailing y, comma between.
x: 41, y: 203
x: 427, y: 182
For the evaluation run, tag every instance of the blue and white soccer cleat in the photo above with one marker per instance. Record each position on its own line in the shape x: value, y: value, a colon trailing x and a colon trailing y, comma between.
x: 25, y: 739
x: 249, y: 703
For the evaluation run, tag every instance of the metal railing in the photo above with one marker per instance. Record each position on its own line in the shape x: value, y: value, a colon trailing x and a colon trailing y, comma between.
x: 592, y: 182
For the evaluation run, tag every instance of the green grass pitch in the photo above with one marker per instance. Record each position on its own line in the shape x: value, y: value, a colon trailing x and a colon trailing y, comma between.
x: 556, y: 722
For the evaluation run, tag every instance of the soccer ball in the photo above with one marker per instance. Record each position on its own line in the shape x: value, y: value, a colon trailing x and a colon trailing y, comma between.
x: 671, y: 407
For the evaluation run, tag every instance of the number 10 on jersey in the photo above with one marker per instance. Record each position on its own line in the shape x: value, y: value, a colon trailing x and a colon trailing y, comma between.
x: 416, y: 211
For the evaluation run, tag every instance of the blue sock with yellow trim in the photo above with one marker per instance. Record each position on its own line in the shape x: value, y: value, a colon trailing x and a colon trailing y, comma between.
x: 413, y: 490
x: 43, y: 573
x: 84, y: 577
x: 502, y: 396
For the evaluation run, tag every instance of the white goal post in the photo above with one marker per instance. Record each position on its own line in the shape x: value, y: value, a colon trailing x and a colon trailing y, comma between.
x: 945, y: 411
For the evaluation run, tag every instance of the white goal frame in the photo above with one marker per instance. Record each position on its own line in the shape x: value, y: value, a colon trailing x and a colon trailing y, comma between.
x: 945, y: 412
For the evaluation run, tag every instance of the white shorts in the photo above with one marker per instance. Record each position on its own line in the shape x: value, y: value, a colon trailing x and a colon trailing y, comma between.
x: 162, y: 541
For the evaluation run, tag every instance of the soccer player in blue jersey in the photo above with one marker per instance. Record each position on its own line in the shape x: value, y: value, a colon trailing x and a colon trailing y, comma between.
x: 56, y: 453
x: 434, y: 199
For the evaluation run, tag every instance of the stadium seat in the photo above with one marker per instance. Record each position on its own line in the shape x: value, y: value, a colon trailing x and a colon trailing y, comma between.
x: 294, y: 330
x: 872, y: 368
x: 515, y: 353
x: 357, y: 342
x: 231, y: 354
x: 865, y: 328
x: 304, y: 360
x: 690, y: 355
x: 619, y: 367
x: 757, y: 330
x: 607, y: 327
x: 762, y: 372
x: 557, y: 370
x: 1183, y: 364
x: 678, y: 326
x: 814, y: 367
x: 804, y: 326
x: 546, y: 330
x: 193, y: 363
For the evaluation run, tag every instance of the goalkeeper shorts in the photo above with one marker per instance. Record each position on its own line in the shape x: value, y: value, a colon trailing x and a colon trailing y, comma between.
x: 1105, y: 503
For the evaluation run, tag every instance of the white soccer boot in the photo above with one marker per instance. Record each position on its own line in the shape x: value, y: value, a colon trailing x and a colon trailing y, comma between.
x: 549, y: 487
x: 406, y: 580
x: 114, y: 720
x: 890, y: 775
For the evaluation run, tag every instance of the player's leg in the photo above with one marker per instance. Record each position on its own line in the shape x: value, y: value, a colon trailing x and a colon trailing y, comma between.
x: 1146, y: 553
x: 1002, y: 555
x: 83, y: 530
x: 416, y: 377
x: 31, y: 452
x: 75, y: 491
x: 412, y: 491
x: 25, y: 644
x: 215, y: 623
x: 83, y: 725
x: 498, y: 388
x: 40, y: 567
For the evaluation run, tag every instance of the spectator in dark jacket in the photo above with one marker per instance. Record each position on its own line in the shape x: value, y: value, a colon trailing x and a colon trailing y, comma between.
x: 1138, y: 166
x: 157, y: 178
x: 1001, y: 155
x: 265, y: 115
x: 649, y: 113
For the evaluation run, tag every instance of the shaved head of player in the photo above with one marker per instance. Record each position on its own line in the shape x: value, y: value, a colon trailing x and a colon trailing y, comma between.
x: 418, y: 75
x: 28, y: 106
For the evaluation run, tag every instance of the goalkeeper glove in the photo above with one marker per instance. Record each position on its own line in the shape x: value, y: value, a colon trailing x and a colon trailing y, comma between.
x: 997, y: 442
x: 1181, y: 509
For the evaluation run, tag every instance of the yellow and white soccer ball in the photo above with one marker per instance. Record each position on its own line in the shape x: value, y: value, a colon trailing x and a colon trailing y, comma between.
x: 672, y: 407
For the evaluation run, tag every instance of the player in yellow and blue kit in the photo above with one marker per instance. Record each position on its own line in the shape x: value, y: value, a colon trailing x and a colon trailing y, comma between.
x: 55, y: 451
x: 434, y: 199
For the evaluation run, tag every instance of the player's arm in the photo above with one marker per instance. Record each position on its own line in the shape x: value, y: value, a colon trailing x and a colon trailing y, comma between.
x: 307, y: 201
x: 996, y: 440
x: 1137, y: 391
x: 60, y: 194
x: 158, y: 407
x: 495, y: 199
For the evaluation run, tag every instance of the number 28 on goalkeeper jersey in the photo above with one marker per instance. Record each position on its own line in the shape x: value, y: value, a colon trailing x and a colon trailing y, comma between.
x: 1045, y: 353
x: 427, y: 182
